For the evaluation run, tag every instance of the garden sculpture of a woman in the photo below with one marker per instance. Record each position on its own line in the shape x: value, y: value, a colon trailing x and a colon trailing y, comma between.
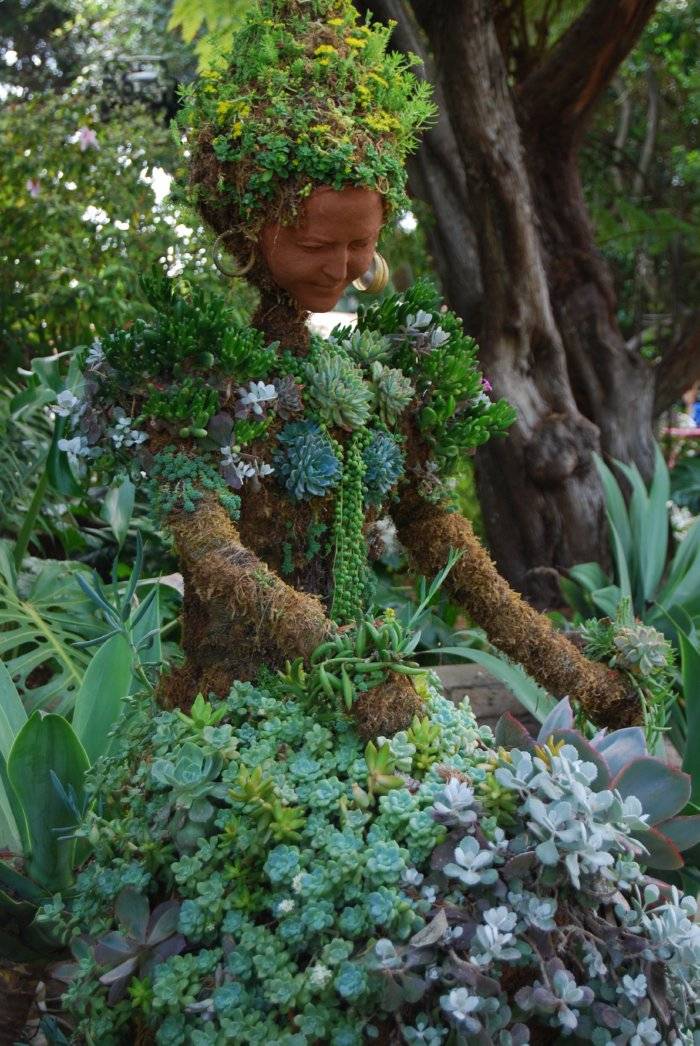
x: 291, y: 447
x: 305, y: 842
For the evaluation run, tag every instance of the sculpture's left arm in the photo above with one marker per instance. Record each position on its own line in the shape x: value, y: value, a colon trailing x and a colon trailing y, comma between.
x: 428, y: 532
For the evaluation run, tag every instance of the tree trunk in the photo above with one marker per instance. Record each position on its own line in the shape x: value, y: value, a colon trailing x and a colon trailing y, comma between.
x: 540, y: 301
x: 17, y: 993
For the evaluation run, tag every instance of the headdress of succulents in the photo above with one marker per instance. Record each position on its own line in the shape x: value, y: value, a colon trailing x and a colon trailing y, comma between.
x: 298, y: 140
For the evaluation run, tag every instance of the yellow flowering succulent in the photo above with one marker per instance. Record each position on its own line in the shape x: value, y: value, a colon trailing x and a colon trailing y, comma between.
x: 325, y: 49
x: 355, y: 41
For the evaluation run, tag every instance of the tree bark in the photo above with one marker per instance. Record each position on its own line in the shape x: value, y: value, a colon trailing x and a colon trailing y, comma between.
x: 545, y: 318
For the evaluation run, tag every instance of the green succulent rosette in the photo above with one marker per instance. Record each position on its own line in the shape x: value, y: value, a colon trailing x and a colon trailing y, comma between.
x: 307, y: 96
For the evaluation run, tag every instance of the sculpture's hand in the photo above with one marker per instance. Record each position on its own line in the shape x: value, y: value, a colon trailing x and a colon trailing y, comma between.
x: 429, y: 532
x: 238, y: 614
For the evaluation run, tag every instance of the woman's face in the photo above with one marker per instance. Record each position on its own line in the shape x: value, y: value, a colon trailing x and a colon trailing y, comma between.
x: 333, y: 244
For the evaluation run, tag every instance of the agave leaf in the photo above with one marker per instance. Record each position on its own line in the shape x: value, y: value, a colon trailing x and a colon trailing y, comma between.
x: 690, y: 678
x: 531, y: 696
x: 21, y: 885
x: 560, y: 718
x: 662, y: 791
x: 607, y: 599
x: 614, y: 504
x: 621, y: 747
x: 510, y: 733
x: 687, y: 558
x: 684, y: 832
x: 590, y: 576
x: 655, y: 527
x: 588, y: 753
x: 661, y: 854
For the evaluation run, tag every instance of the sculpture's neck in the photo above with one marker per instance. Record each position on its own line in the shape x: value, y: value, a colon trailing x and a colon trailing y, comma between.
x: 281, y: 319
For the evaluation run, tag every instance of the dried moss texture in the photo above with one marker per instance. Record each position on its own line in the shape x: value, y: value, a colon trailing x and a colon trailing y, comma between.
x: 17, y: 994
x: 387, y: 708
x: 524, y: 635
x: 238, y: 613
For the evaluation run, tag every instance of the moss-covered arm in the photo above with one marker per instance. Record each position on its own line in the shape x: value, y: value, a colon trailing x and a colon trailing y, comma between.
x: 238, y: 614
x: 429, y: 532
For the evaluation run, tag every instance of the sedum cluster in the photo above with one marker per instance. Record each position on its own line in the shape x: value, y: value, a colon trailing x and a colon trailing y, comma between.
x: 260, y: 874
x: 363, y: 110
x: 288, y: 844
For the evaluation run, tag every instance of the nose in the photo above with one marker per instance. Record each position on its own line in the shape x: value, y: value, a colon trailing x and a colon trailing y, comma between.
x: 335, y: 266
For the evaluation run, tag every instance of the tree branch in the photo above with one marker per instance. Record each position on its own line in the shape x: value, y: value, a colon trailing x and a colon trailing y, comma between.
x: 436, y: 176
x: 562, y: 91
x: 679, y: 367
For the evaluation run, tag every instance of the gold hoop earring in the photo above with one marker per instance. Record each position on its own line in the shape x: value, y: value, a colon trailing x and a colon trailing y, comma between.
x: 235, y: 272
x: 376, y: 278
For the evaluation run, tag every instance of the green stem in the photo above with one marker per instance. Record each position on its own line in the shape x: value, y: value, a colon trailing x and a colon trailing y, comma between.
x: 25, y: 533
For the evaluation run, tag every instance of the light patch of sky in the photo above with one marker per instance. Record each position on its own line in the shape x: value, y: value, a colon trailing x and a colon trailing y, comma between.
x: 408, y: 222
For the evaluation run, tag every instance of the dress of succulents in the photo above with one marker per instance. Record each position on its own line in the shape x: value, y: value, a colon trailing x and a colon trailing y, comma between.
x: 342, y: 855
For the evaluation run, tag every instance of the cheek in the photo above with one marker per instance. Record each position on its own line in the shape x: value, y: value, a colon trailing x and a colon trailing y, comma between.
x: 361, y: 262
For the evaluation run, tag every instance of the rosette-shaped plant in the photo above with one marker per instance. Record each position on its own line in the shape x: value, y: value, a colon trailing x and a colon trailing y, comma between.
x: 306, y: 465
x: 641, y: 649
x: 365, y: 347
x: 383, y: 467
x: 393, y: 392
x: 623, y: 764
x: 190, y: 777
x: 337, y: 392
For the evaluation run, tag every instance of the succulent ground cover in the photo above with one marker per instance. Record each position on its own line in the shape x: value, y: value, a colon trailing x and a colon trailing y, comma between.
x: 263, y: 874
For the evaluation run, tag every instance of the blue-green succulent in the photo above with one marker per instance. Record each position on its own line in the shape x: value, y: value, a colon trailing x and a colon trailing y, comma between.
x: 307, y: 464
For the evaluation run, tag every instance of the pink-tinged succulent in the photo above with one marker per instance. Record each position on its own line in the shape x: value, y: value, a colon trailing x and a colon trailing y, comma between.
x: 145, y: 940
x: 623, y: 765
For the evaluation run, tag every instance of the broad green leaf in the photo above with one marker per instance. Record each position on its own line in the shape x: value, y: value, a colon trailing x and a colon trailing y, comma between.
x: 684, y: 832
x: 48, y: 743
x: 662, y: 791
x: 12, y: 713
x: 118, y: 508
x: 531, y: 696
x: 101, y: 696
x: 690, y: 679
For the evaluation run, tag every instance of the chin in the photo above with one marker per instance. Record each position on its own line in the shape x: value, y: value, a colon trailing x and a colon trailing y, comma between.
x: 319, y: 301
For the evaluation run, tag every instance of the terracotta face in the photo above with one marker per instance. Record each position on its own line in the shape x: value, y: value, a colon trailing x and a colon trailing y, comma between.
x: 333, y: 244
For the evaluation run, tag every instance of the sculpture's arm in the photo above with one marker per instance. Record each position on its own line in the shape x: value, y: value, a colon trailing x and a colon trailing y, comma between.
x: 428, y: 532
x: 236, y: 608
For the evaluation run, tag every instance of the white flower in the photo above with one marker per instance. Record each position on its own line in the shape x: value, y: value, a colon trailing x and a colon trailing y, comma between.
x: 296, y: 882
x: 286, y: 906
x: 319, y: 975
